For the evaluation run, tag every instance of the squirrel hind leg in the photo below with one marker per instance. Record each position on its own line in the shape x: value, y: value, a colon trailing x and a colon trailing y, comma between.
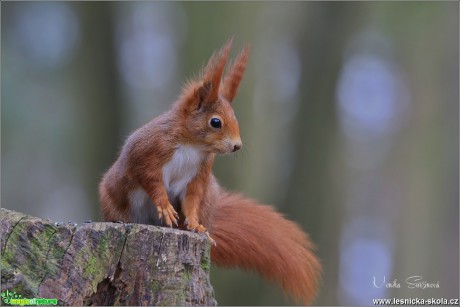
x: 143, y: 210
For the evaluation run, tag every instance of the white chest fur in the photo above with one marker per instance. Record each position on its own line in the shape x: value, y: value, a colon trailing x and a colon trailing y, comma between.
x: 181, y: 169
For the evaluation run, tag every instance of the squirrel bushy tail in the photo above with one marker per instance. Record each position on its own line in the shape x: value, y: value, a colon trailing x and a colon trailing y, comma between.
x: 256, y: 237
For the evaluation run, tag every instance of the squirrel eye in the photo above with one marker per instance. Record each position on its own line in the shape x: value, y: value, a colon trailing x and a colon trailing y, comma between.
x: 215, y: 123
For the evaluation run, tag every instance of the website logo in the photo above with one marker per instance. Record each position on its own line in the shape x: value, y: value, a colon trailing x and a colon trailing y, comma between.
x: 12, y: 298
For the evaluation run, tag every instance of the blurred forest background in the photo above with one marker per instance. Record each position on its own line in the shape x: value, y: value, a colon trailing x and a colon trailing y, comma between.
x: 348, y: 113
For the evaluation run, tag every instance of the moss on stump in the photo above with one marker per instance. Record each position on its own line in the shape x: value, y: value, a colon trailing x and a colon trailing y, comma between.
x: 103, y: 263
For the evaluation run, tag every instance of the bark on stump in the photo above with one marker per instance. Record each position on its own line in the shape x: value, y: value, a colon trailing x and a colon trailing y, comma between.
x: 103, y: 263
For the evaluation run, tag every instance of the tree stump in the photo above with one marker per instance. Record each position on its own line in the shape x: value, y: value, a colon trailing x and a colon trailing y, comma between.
x: 103, y: 263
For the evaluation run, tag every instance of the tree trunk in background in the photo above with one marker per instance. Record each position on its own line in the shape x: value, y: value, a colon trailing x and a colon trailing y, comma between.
x: 427, y: 170
x: 100, y: 109
x: 103, y: 263
x: 309, y: 198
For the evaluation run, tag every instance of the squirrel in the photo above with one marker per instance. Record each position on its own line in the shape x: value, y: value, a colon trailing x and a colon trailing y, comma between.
x: 165, y: 167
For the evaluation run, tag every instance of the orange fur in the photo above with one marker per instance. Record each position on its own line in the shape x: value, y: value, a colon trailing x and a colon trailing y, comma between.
x: 215, y: 68
x: 163, y: 176
x: 255, y: 237
x: 233, y: 78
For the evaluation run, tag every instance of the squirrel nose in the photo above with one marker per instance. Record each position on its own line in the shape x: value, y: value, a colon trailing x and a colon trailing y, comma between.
x: 237, y: 147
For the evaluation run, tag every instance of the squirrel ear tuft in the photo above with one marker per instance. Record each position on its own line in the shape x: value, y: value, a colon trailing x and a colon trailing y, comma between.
x: 234, y: 76
x: 203, y: 93
x: 213, y: 71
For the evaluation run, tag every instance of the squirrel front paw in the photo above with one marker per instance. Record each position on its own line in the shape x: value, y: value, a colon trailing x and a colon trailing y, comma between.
x: 168, y: 214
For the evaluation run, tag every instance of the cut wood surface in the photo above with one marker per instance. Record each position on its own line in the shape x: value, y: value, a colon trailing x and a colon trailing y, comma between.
x: 103, y: 263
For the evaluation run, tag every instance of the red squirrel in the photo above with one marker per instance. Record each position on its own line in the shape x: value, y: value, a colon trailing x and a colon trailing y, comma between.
x: 165, y: 167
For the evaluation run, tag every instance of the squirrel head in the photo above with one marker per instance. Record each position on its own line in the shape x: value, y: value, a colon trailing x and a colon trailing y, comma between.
x: 206, y: 104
